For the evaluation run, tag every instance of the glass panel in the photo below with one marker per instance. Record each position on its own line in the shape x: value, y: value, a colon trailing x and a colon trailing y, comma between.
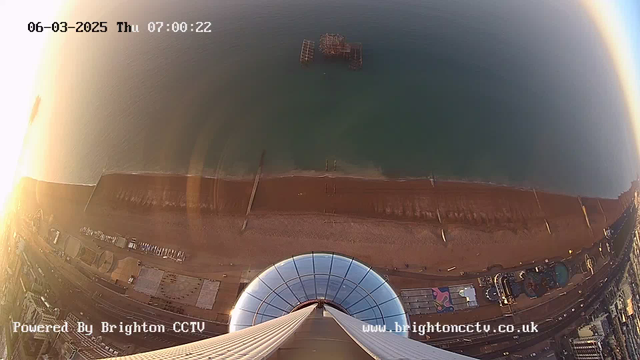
x: 322, y: 281
x: 340, y: 265
x: 258, y: 289
x: 304, y: 264
x: 260, y: 318
x: 391, y: 308
x: 383, y: 293
x: 371, y: 281
x: 296, y: 287
x: 287, y: 270
x: 275, y: 301
x: 309, y: 286
x: 366, y: 316
x: 322, y: 263
x: 356, y: 272
x: 345, y: 289
x: 355, y: 298
x: 247, y: 302
x: 341, y: 288
x: 272, y: 311
x: 360, y: 304
x: 334, y: 286
x: 391, y: 322
x: 377, y: 313
x: 287, y: 294
x: 271, y: 278
x: 242, y: 317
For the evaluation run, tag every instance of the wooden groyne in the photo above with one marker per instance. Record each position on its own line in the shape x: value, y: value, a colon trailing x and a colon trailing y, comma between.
x: 416, y: 200
x: 253, y: 191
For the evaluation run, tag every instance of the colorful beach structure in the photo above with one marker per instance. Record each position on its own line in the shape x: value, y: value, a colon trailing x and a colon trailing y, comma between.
x: 333, y: 46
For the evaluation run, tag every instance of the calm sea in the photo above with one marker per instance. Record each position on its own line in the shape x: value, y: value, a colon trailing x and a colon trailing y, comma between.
x: 511, y: 92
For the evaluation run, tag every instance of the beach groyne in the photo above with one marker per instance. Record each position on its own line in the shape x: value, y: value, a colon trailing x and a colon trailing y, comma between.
x: 420, y: 200
x: 387, y: 223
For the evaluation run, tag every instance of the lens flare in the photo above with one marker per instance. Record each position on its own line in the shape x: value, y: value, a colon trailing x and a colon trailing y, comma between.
x: 19, y: 97
x: 611, y: 26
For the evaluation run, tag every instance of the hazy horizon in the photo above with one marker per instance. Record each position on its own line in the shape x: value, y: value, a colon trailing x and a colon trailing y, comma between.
x: 521, y: 94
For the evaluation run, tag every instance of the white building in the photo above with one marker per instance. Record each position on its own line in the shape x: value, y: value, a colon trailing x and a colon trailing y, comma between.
x: 313, y: 306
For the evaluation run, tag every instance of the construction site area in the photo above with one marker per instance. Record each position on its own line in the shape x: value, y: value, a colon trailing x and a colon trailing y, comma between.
x: 333, y: 46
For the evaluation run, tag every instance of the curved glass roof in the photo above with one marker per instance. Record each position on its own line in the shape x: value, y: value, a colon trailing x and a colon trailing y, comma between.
x: 345, y: 283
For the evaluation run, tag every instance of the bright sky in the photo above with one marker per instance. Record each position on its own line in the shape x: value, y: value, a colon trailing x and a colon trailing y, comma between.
x: 19, y: 64
x: 618, y: 22
x: 619, y: 25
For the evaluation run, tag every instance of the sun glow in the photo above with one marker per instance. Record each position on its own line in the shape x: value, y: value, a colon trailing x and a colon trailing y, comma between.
x: 617, y: 39
x: 19, y: 65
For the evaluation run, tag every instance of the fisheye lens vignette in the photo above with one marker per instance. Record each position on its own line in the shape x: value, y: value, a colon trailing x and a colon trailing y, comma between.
x: 321, y: 180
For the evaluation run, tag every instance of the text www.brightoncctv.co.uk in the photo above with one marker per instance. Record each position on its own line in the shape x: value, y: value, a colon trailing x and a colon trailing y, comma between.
x: 423, y: 329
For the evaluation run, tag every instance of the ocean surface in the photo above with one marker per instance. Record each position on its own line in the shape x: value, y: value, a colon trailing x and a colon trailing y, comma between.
x: 511, y: 92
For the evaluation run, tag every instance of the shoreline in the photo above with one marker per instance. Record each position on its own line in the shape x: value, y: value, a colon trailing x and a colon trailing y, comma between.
x: 383, y: 223
x: 446, y: 207
x: 412, y: 199
x: 321, y: 175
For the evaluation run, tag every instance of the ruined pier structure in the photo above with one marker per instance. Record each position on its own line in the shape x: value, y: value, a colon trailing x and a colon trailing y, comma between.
x: 333, y: 46
x: 306, y: 54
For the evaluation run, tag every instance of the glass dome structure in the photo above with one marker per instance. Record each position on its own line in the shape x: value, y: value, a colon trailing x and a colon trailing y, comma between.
x: 336, y: 280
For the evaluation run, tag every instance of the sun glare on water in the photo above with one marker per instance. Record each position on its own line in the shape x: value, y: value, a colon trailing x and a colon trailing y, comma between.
x: 19, y: 66
x: 24, y: 50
